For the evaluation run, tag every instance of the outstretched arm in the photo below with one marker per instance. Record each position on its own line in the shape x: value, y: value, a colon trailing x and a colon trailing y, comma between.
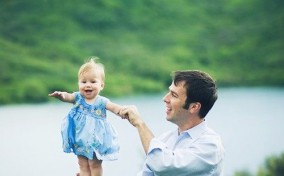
x: 63, y: 96
x: 114, y: 108
x: 133, y: 116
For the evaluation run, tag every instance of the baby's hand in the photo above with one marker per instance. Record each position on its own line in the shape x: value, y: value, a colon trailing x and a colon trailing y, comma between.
x: 122, y: 115
x: 58, y: 94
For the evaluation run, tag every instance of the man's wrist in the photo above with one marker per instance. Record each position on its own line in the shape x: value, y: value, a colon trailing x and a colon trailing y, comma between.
x: 140, y: 124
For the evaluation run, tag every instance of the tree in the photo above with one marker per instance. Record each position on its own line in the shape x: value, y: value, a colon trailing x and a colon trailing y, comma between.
x: 273, y: 166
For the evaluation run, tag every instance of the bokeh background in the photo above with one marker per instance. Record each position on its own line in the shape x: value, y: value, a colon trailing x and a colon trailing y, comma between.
x: 140, y: 42
x: 43, y: 43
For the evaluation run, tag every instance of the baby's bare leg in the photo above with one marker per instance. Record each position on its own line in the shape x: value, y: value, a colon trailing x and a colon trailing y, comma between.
x: 96, y: 167
x: 84, y: 166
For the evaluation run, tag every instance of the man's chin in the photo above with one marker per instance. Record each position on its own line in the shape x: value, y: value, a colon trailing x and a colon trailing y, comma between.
x: 168, y: 118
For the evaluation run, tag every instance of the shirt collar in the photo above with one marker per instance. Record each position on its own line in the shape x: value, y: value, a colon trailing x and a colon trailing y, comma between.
x: 197, y: 131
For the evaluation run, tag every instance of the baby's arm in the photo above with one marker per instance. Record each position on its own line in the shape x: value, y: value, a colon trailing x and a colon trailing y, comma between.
x: 113, y: 107
x: 63, y: 96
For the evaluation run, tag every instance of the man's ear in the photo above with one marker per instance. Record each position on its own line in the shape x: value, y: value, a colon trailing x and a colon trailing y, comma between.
x: 194, y: 107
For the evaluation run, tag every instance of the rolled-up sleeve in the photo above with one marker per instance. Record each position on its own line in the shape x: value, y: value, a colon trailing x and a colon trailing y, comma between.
x: 198, y: 158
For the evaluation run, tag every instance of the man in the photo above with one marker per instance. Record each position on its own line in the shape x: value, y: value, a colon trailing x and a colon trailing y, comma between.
x: 192, y: 148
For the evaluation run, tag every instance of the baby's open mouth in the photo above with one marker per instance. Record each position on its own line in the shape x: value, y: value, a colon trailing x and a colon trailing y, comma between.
x: 88, y: 91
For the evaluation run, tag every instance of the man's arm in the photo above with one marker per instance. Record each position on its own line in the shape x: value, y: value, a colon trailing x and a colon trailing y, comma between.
x: 145, y: 134
x: 133, y: 116
x: 199, y: 157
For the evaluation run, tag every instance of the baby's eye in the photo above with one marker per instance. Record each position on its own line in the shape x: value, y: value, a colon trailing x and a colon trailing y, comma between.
x: 93, y: 81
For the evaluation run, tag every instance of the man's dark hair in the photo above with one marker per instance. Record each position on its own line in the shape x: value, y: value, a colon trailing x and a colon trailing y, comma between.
x: 200, y: 87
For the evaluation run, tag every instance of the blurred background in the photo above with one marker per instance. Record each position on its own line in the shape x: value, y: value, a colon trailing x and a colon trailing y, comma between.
x: 44, y: 42
x: 239, y: 42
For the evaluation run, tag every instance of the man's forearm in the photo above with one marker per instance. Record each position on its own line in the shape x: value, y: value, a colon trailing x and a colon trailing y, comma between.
x: 145, y: 134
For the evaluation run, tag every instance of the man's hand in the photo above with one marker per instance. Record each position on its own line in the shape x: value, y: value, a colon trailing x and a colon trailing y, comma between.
x: 131, y: 113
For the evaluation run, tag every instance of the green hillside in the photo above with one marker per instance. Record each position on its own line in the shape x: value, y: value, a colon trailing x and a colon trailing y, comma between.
x: 44, y: 42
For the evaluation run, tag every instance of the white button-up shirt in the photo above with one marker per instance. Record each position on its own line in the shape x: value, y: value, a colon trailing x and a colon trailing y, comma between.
x: 195, y: 152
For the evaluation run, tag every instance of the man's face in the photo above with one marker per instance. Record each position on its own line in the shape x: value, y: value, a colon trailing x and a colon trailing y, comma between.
x: 175, y: 100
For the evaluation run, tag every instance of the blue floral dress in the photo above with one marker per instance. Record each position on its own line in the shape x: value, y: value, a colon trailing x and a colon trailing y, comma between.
x: 85, y: 130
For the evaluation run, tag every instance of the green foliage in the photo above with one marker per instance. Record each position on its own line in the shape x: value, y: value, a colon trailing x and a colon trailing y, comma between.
x: 243, y: 173
x: 273, y: 166
x: 44, y: 42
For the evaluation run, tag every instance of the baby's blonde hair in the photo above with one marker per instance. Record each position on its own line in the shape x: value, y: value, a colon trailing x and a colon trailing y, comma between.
x: 91, y: 64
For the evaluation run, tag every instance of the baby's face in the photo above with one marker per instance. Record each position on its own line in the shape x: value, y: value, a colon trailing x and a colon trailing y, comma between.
x: 90, y: 84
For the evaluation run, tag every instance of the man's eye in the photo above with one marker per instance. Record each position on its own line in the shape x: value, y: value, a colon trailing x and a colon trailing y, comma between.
x: 174, y: 95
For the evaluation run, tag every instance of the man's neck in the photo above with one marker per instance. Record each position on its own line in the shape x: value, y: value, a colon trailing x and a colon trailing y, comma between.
x: 190, y: 124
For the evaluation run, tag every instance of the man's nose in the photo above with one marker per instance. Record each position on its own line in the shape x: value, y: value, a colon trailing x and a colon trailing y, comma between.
x: 166, y: 97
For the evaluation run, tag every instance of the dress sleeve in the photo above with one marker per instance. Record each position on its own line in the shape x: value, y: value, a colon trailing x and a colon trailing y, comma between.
x: 200, y: 158
x: 77, y: 97
x: 104, y: 99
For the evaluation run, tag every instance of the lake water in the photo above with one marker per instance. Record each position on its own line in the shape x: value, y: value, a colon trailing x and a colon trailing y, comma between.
x: 249, y: 120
